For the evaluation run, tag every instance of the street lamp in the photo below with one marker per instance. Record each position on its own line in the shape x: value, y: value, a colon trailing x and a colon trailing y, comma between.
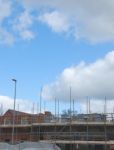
x: 15, y: 82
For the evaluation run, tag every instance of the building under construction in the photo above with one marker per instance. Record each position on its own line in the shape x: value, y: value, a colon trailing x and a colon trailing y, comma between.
x: 77, y: 132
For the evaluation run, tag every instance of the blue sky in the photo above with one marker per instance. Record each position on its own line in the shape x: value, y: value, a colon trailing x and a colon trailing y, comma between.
x: 54, y: 46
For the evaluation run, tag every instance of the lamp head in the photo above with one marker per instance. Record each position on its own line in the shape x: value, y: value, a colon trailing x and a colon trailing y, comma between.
x: 14, y: 80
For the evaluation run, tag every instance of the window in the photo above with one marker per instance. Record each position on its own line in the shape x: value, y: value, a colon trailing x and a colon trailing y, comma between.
x: 24, y: 120
x: 7, y: 121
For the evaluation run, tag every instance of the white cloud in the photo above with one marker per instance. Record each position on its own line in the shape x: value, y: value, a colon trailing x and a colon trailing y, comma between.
x: 56, y: 21
x: 84, y: 19
x: 21, y: 23
x: 5, y: 8
x: 97, y: 106
x: 27, y: 34
x: 6, y: 37
x: 91, y: 20
x: 24, y: 105
x: 93, y: 80
x: 22, y: 26
x: 31, y: 4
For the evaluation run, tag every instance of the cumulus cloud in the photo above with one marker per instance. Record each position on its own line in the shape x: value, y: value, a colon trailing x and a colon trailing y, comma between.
x: 22, y: 25
x: 23, y: 105
x: 90, y: 20
x: 97, y: 106
x: 93, y: 80
x: 5, y: 8
x: 6, y: 37
x: 56, y: 21
x: 13, y: 25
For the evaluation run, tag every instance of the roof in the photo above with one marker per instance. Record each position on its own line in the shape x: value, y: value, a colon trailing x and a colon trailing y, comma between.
x: 11, y: 111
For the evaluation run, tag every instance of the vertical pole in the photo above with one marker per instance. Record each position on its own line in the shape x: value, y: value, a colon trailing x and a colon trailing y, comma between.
x: 87, y: 121
x: 113, y: 115
x: 1, y: 111
x: 55, y: 119
x: 40, y: 100
x: 73, y: 107
x: 89, y: 106
x: 70, y: 116
x: 55, y: 108
x: 40, y: 112
x: 37, y: 108
x: 44, y: 106
x: 33, y: 109
x: 32, y: 121
x: 18, y: 107
x: 105, y: 106
x: 70, y: 103
x: 15, y: 81
x: 58, y: 110
x: 105, y: 130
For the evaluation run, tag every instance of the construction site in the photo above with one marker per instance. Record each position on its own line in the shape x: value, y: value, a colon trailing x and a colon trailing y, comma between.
x: 78, y: 132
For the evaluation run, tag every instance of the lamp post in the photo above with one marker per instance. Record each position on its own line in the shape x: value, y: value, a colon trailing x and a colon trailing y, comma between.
x: 15, y: 82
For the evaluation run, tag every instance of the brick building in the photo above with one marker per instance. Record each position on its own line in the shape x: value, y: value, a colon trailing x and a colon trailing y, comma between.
x: 23, y: 125
x: 24, y: 118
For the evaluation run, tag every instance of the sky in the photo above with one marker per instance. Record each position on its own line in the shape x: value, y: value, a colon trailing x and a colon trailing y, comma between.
x: 52, y: 46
